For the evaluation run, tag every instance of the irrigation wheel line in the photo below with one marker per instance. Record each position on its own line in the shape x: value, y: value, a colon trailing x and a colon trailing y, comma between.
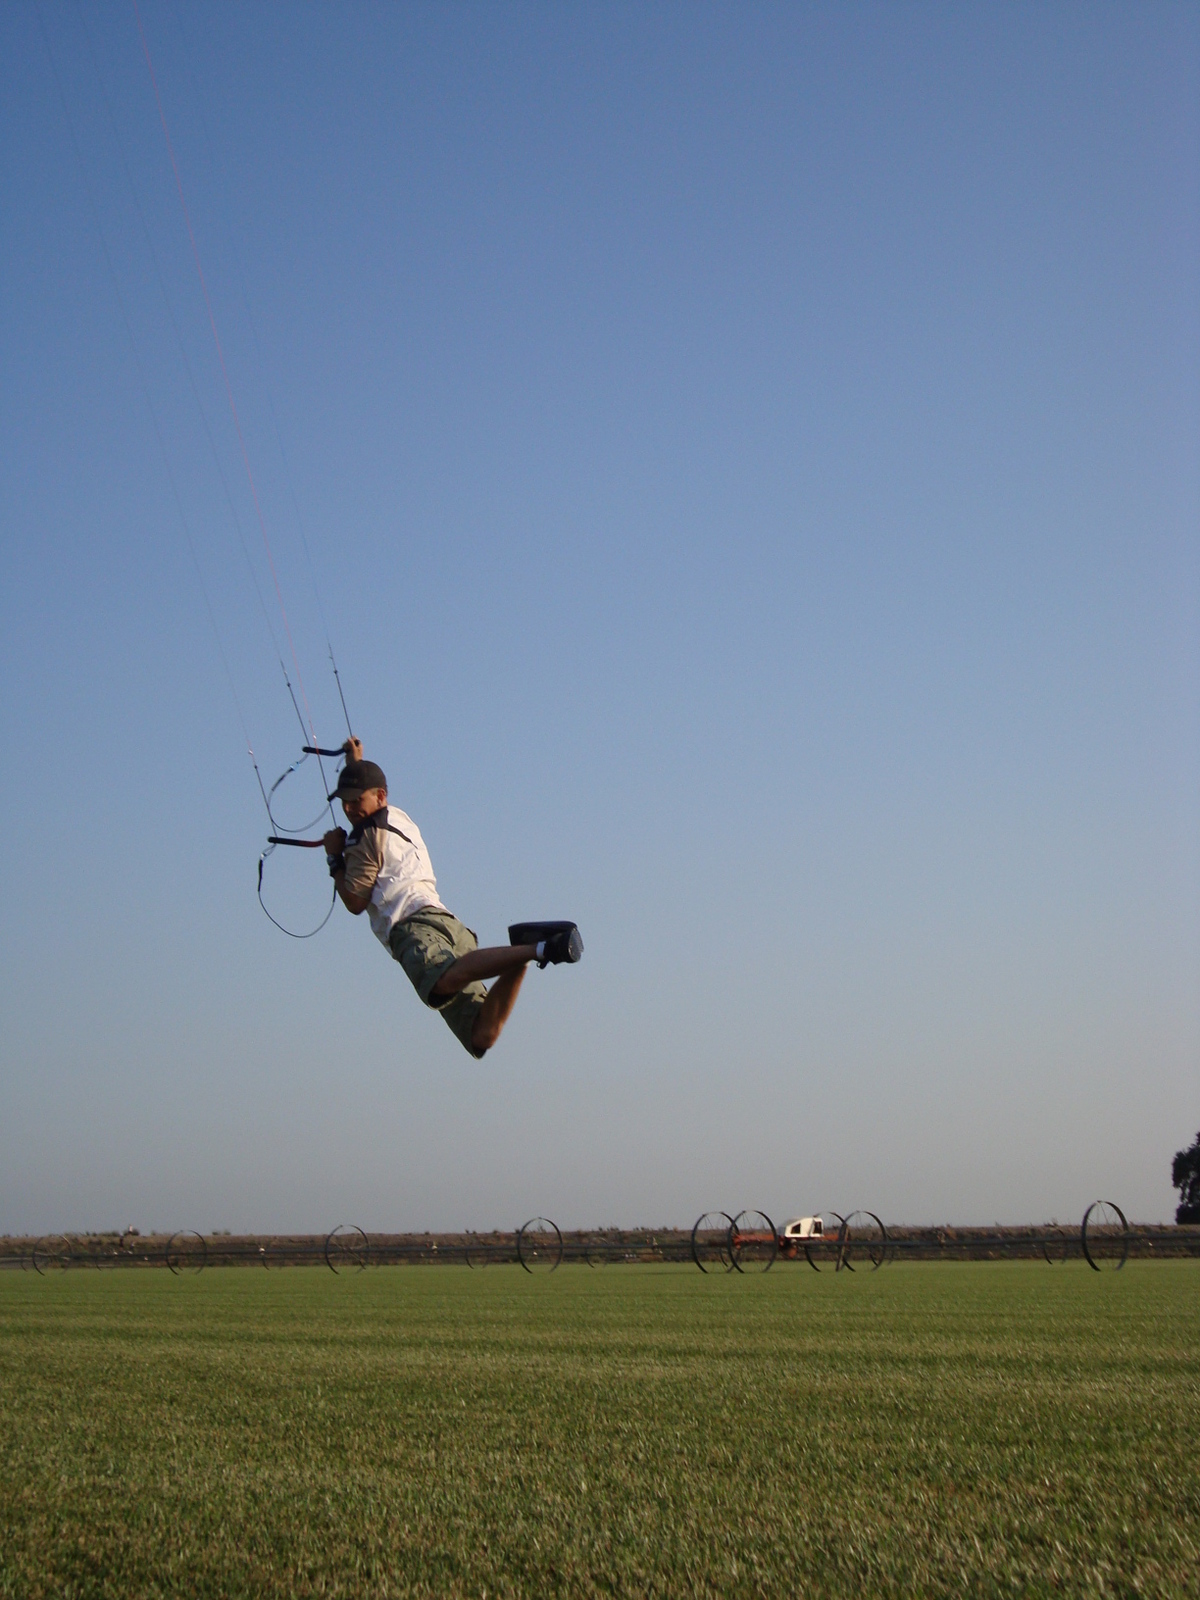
x: 181, y: 1255
x: 712, y: 1234
x: 591, y: 1253
x: 52, y: 1251
x: 539, y: 1244
x: 824, y: 1241
x: 1054, y: 1243
x: 866, y: 1229
x: 1104, y: 1235
x: 347, y: 1246
x: 264, y: 1250
x: 583, y: 1253
x: 753, y: 1241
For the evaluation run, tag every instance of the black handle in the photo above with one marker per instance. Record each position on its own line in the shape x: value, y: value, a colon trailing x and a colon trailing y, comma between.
x: 314, y: 750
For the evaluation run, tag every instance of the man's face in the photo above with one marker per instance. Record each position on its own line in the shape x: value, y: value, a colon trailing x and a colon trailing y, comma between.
x: 363, y: 803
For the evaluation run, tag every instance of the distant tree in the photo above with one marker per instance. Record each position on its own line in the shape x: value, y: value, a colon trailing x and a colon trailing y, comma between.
x: 1185, y: 1175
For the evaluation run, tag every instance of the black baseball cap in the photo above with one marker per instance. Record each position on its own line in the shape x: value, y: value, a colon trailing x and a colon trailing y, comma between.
x: 356, y: 776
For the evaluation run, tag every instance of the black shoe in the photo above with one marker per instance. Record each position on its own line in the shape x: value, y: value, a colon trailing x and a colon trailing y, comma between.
x: 556, y: 941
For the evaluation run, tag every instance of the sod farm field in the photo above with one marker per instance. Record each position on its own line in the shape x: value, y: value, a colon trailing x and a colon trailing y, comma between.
x: 938, y: 1429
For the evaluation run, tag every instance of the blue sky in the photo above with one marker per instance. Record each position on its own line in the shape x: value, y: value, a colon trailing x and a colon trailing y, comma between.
x: 748, y: 458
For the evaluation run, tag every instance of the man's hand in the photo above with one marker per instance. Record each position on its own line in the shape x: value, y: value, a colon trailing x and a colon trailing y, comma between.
x: 335, y: 842
x: 353, y: 749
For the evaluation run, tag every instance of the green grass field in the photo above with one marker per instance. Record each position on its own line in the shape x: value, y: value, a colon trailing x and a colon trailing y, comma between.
x: 942, y: 1429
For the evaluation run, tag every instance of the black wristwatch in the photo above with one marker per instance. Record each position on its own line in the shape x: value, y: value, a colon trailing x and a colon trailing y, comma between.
x: 335, y: 864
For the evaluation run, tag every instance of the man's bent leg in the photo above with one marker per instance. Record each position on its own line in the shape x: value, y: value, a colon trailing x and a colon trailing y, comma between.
x: 446, y: 968
x: 502, y: 960
x: 497, y: 1008
x: 460, y: 1014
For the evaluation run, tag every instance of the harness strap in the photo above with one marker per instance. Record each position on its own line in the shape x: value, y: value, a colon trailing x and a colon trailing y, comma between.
x: 376, y: 820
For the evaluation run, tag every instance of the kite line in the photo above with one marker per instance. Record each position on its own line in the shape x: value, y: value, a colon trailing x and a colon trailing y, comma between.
x: 279, y: 832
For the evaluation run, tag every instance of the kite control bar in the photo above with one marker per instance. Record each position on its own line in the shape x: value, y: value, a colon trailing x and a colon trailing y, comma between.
x: 274, y: 839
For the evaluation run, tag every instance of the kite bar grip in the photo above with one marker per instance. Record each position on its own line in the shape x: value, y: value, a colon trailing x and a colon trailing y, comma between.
x: 315, y: 750
x: 301, y: 844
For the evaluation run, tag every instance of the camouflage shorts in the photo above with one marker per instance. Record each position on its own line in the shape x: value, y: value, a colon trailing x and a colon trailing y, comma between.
x: 426, y: 945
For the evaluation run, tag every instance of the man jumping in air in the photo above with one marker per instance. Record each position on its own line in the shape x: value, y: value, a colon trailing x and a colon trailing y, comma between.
x: 383, y: 868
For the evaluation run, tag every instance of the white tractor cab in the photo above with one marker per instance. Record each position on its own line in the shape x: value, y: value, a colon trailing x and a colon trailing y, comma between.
x: 803, y: 1228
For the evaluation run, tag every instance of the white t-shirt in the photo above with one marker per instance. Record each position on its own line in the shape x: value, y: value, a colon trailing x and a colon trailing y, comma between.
x: 386, y: 856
